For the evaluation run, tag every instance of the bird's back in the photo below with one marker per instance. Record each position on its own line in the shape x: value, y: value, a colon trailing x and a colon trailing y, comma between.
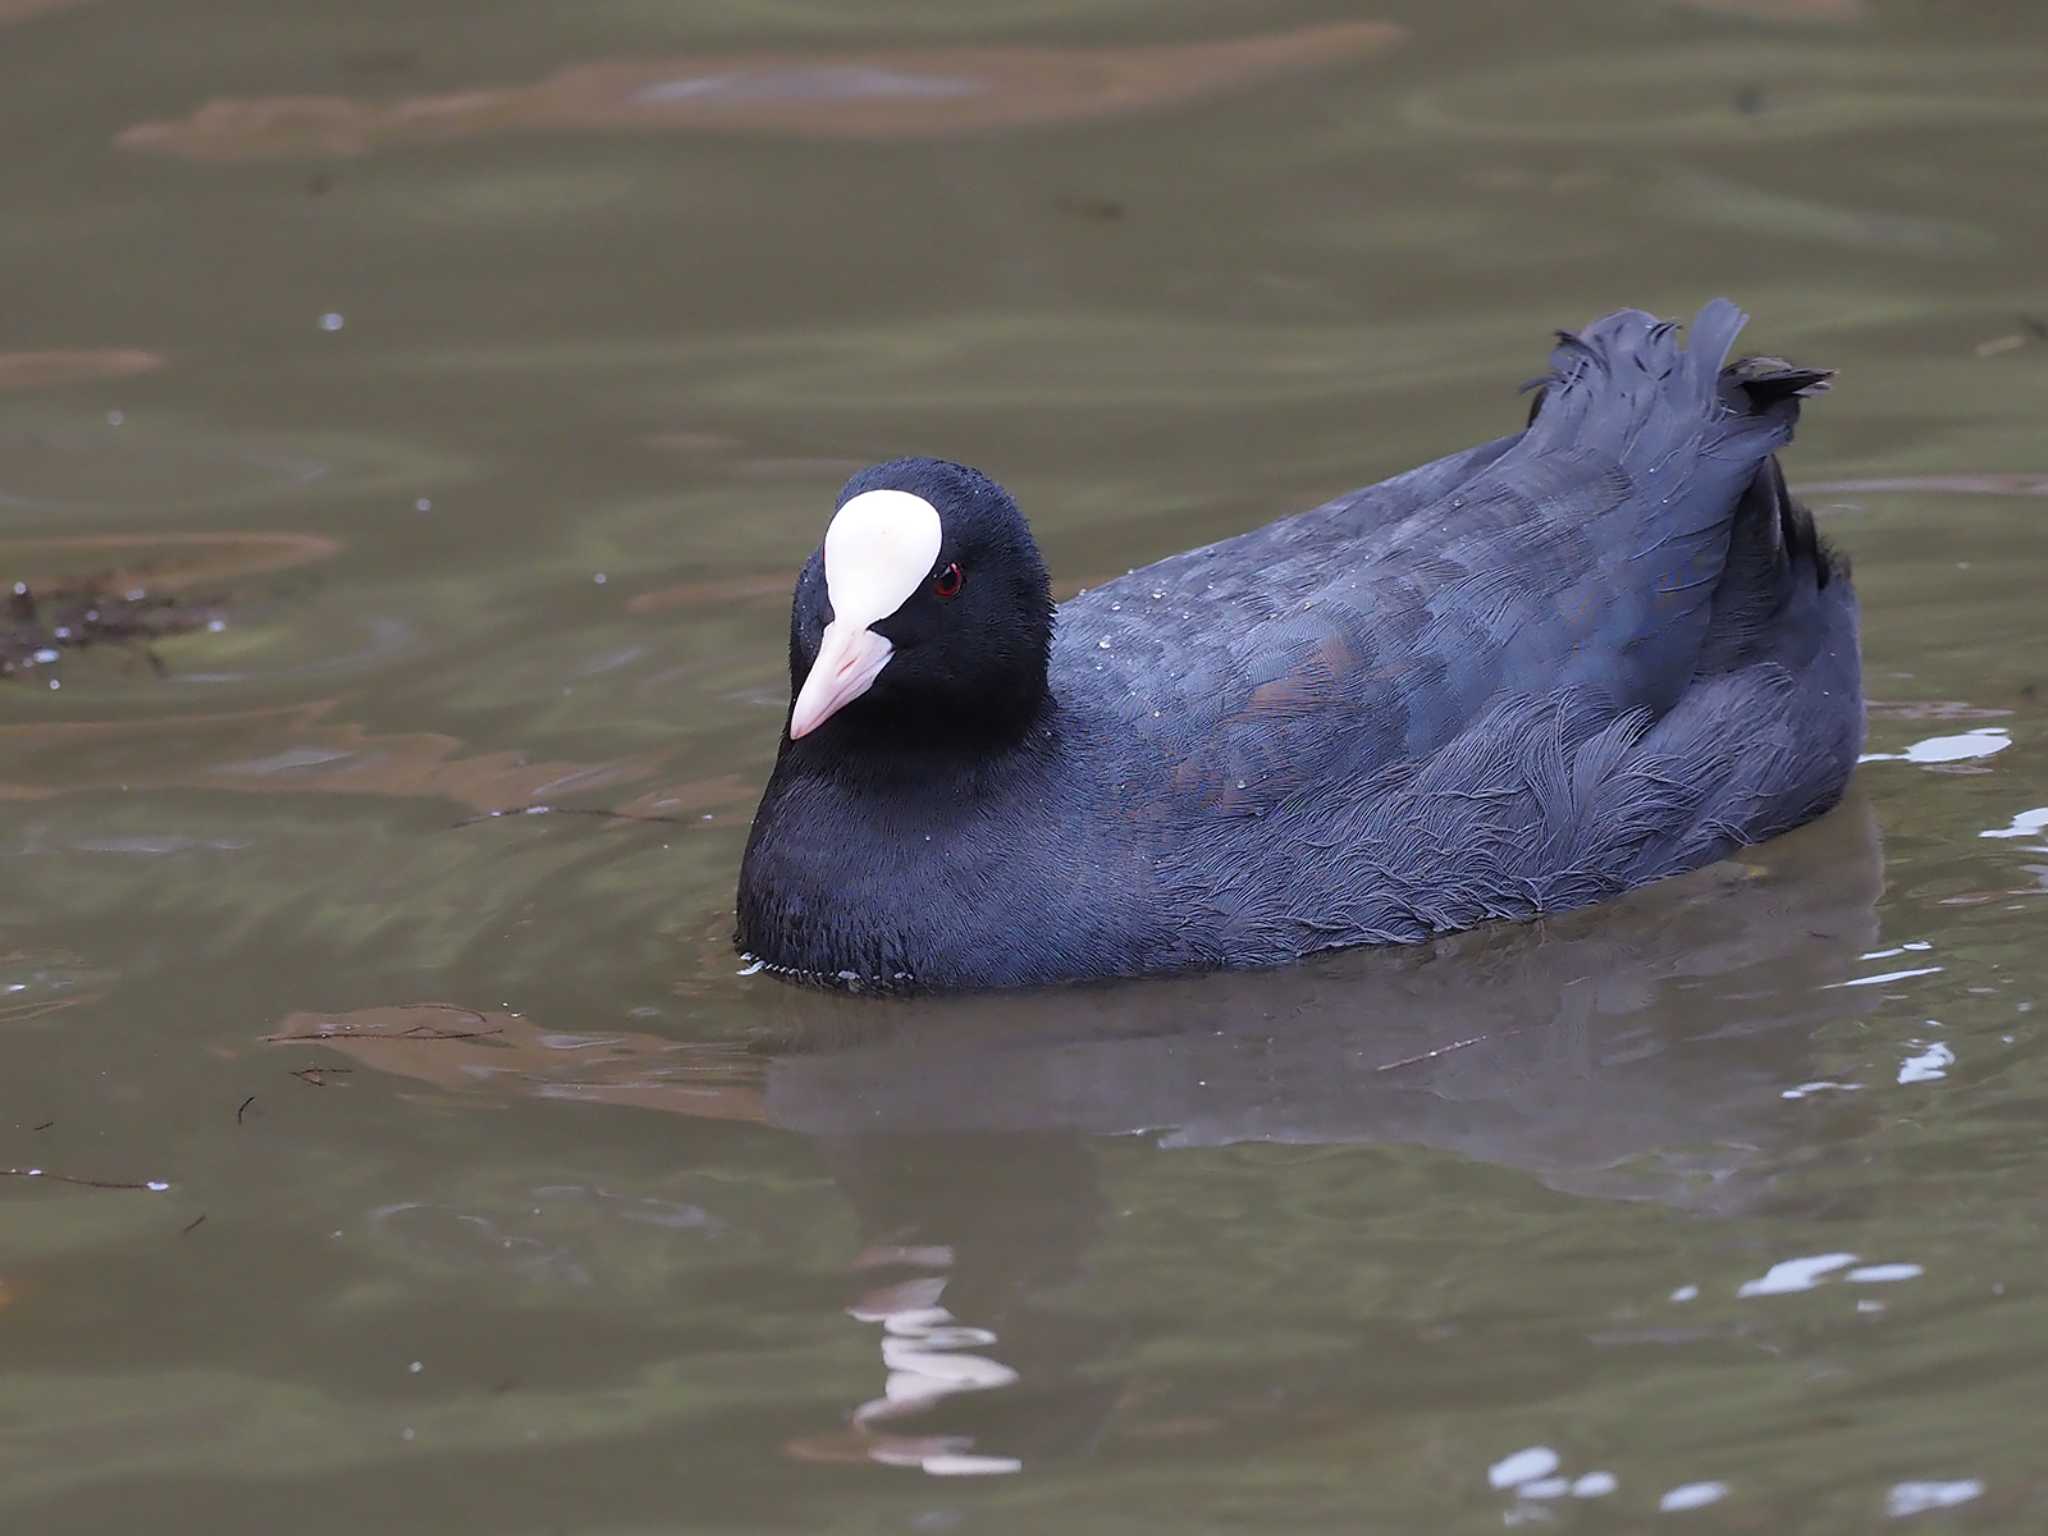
x: 1501, y: 683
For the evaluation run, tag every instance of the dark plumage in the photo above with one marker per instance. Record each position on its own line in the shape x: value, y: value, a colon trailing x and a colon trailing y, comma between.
x: 1517, y: 680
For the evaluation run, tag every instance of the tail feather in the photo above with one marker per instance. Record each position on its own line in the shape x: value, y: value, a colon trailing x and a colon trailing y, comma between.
x: 1713, y: 337
x: 1747, y: 386
x: 1765, y: 382
x: 1743, y: 409
x: 1774, y: 552
x: 1696, y: 435
x: 1625, y: 384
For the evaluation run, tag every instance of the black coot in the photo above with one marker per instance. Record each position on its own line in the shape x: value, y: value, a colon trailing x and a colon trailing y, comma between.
x: 1517, y: 680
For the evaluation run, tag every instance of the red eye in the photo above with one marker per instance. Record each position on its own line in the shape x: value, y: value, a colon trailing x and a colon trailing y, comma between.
x: 947, y: 584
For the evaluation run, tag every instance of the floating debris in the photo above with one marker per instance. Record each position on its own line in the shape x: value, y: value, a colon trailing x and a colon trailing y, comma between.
x: 152, y: 1186
x: 39, y: 624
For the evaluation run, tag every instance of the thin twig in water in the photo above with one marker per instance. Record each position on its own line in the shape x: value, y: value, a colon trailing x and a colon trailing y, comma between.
x: 154, y: 1186
x: 317, y: 1076
x: 192, y: 1225
x: 559, y: 810
x: 417, y: 1032
x: 243, y: 1107
x: 44, y: 1126
x: 1442, y: 1050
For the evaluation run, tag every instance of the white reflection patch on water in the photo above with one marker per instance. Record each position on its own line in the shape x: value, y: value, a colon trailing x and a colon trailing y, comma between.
x: 959, y: 1464
x: 1531, y: 1474
x: 1883, y: 1274
x: 1914, y: 1498
x: 1808, y: 1274
x: 1912, y: 946
x: 918, y: 1375
x: 1795, y: 1274
x: 1930, y: 1065
x: 924, y: 1350
x: 1808, y: 1090
x: 1692, y: 1496
x: 1981, y: 742
x: 2026, y: 824
x: 1523, y: 1466
x: 1883, y: 977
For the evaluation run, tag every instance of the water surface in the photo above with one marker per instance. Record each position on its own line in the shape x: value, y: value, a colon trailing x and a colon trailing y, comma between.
x: 492, y: 369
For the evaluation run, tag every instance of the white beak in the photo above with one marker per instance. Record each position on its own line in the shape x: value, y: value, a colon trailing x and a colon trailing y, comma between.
x: 850, y: 658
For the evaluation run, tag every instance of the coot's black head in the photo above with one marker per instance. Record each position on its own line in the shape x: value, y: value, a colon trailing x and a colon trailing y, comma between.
x: 925, y: 619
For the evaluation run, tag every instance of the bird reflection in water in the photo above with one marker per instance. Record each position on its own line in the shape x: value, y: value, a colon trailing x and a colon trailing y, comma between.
x: 1641, y: 1050
x: 925, y: 1349
x: 970, y: 1244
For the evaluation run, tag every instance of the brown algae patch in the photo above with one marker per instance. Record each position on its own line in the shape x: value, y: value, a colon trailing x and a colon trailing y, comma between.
x: 874, y: 94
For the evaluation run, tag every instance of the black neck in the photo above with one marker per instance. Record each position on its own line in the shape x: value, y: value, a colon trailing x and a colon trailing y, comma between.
x: 878, y: 746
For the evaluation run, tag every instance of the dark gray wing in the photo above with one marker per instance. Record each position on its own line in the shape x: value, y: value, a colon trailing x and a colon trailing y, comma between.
x: 1583, y: 553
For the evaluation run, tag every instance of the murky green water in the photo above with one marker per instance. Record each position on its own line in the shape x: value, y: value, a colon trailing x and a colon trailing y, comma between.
x: 500, y: 423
